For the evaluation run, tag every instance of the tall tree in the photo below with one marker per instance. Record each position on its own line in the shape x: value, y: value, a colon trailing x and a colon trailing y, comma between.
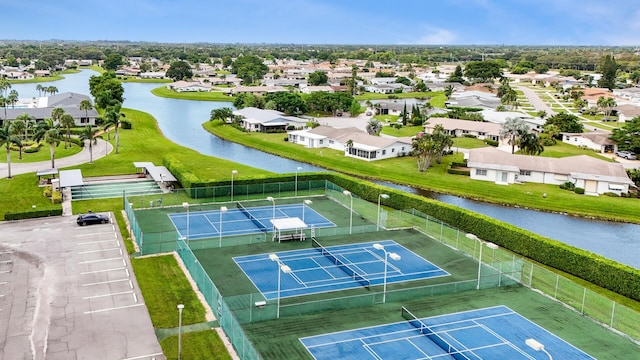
x: 13, y: 98
x: 56, y: 115
x: 53, y: 138
x: 89, y: 134
x: 530, y: 144
x: 608, y: 68
x: 512, y: 130
x: 67, y: 122
x: 17, y: 128
x: 112, y: 118
x: 628, y: 135
x: 606, y: 104
x: 85, y: 105
x: 456, y: 75
x: 483, y: 71
x: 222, y: 114
x: 7, y: 138
x: 374, y: 126
x: 441, y: 141
x: 424, y: 149
x: 249, y: 68
x: 106, y: 89
x: 318, y: 77
x: 179, y: 70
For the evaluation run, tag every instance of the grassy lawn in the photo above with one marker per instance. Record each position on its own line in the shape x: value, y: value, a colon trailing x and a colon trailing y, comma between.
x: 468, y: 143
x: 404, y: 171
x: 387, y: 118
x: 162, y: 91
x: 42, y: 154
x: 437, y: 97
x: 561, y: 149
x: 403, y: 131
x: 196, y: 345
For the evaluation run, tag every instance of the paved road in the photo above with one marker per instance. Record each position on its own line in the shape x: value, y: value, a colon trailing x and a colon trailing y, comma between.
x: 101, y: 149
x: 535, y: 100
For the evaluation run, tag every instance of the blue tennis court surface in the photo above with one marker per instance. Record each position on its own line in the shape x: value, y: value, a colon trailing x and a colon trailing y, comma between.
x: 210, y: 224
x: 314, y: 270
x: 490, y: 333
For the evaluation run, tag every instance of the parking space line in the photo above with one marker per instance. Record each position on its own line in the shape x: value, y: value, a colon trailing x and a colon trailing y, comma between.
x: 6, y: 261
x: 6, y: 252
x: 5, y: 283
x: 110, y: 309
x: 105, y: 295
x: 5, y: 271
x: 144, y: 356
x: 106, y: 270
x: 96, y: 251
x: 135, y: 298
x: 95, y: 242
x: 106, y: 282
x: 93, y: 234
x: 99, y: 260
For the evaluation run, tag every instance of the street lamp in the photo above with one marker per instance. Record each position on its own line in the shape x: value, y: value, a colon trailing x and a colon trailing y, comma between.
x: 381, y: 196
x: 387, y: 255
x: 490, y: 245
x: 180, y: 307
x: 306, y: 202
x: 537, y: 346
x: 297, y: 169
x: 281, y: 268
x: 233, y: 172
x: 223, y: 209
x: 348, y: 193
x: 273, y: 201
x: 186, y: 206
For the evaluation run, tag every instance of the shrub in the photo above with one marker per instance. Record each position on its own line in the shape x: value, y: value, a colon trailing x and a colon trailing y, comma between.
x: 31, y: 214
x: 56, y: 197
x: 31, y: 150
x: 578, y: 190
x: 612, y: 194
x: 47, y: 191
x: 126, y: 124
x: 491, y: 142
x: 568, y: 185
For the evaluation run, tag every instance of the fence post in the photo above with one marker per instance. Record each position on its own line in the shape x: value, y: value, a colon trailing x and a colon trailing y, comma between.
x: 613, y: 312
x: 584, y: 295
x: 555, y: 294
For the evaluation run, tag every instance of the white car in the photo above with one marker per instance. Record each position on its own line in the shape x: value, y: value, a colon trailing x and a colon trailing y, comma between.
x: 629, y: 155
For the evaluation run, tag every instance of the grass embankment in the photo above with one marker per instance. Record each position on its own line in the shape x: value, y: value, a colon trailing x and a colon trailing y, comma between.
x: 404, y: 171
x: 162, y: 91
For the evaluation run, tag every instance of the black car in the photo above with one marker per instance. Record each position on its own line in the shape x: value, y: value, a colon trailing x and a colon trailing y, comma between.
x: 91, y: 218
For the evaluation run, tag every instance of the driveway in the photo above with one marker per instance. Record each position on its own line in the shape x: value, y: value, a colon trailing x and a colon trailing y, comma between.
x: 68, y: 292
x: 101, y: 149
x: 535, y: 100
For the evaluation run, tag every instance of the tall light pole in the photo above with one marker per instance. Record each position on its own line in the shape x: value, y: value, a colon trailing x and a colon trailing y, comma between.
x: 186, y: 206
x: 223, y: 209
x: 537, y: 346
x: 387, y: 255
x: 490, y: 245
x: 307, y: 203
x: 233, y: 172
x: 350, y: 195
x: 381, y: 196
x: 180, y: 307
x: 273, y: 201
x: 296, y: 191
x: 281, y: 268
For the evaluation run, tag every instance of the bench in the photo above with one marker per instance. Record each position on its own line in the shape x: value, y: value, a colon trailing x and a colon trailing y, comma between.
x: 297, y: 236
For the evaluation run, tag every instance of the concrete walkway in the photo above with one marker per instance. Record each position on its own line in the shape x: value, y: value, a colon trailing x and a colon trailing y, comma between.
x: 535, y: 100
x: 101, y: 149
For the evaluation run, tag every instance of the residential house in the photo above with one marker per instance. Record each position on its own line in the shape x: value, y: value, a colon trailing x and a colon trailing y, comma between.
x: 153, y: 75
x: 323, y: 136
x: 627, y: 112
x: 188, y: 86
x: 383, y: 80
x: 322, y: 88
x: 500, y: 117
x: 474, y: 99
x: 255, y: 90
x: 259, y: 120
x: 68, y: 101
x: 631, y: 94
x: 596, y: 140
x: 18, y: 75
x: 388, y: 88
x: 593, y: 175
x: 460, y: 128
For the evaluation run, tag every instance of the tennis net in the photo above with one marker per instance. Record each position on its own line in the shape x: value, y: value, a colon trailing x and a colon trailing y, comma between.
x: 436, y: 338
x: 342, y: 265
x: 255, y: 220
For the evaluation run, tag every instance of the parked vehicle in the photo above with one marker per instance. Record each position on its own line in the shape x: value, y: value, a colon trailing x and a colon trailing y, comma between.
x: 91, y: 218
x: 629, y: 155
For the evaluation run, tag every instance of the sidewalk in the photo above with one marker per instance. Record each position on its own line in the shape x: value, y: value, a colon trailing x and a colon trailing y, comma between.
x: 101, y: 149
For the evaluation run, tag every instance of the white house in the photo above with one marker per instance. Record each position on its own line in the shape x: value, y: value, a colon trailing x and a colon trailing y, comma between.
x: 323, y: 136
x: 593, y: 175
x: 188, y: 86
x: 627, y: 112
x: 43, y: 107
x: 459, y: 128
x: 596, y: 140
x: 254, y: 119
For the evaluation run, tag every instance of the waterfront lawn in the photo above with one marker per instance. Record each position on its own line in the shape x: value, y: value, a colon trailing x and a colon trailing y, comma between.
x: 162, y: 91
x: 403, y: 170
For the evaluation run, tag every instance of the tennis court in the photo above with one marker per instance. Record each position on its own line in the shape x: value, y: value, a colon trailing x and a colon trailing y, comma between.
x: 241, y: 220
x: 489, y: 333
x: 323, y: 269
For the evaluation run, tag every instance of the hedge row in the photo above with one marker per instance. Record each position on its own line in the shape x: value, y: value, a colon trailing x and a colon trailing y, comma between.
x: 594, y: 268
x: 31, y: 214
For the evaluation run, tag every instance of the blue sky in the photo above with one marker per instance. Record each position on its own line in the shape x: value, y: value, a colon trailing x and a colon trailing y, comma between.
x: 432, y: 22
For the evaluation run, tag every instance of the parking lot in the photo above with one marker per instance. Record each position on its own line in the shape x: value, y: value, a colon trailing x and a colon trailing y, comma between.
x: 68, y: 292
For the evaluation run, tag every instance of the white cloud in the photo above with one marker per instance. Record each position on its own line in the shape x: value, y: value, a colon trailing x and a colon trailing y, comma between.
x: 437, y: 36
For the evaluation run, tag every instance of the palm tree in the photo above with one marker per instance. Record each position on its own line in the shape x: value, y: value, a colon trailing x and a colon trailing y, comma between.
x: 41, y: 129
x: 12, y: 98
x: 349, y: 145
x: 85, y: 105
x: 512, y: 129
x: 56, y: 115
x: 40, y: 89
x: 530, y: 144
x: 89, y: 133
x: 6, y: 139
x: 423, y: 148
x: 4, y: 102
x: 17, y: 128
x: 442, y: 142
x: 53, y: 138
x: 52, y: 90
x: 112, y: 118
x: 28, y: 122
x: 606, y: 103
x: 67, y: 121
x: 374, y: 126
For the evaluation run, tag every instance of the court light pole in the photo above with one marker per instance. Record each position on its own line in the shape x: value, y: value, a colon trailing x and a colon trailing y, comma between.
x: 273, y: 201
x: 387, y: 255
x: 350, y: 195
x: 490, y: 245
x: 537, y: 346
x: 381, y: 196
x: 186, y: 206
x: 297, y: 169
x: 180, y: 307
x: 223, y: 209
x: 307, y: 203
x: 233, y: 172
x: 281, y: 268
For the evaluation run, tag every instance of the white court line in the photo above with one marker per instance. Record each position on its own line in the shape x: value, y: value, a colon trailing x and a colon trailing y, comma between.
x: 95, y: 242
x: 106, y: 270
x: 96, y: 251
x: 109, y: 309
x: 105, y: 282
x: 99, y: 260
x: 143, y: 356
x: 105, y: 295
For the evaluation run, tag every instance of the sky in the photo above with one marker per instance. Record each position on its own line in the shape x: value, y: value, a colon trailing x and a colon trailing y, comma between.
x: 391, y: 22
